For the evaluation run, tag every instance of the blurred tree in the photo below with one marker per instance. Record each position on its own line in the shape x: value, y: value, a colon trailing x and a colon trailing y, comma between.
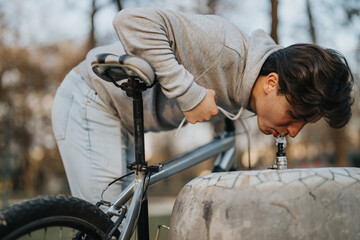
x: 311, y: 22
x: 15, y: 72
x: 211, y: 5
x: 28, y: 83
x: 29, y: 160
x: 92, y: 39
x: 352, y: 10
x: 274, y: 20
x: 118, y: 4
x: 94, y: 9
x: 338, y: 137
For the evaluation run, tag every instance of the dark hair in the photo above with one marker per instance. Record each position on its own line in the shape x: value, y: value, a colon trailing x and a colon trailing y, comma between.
x: 314, y: 81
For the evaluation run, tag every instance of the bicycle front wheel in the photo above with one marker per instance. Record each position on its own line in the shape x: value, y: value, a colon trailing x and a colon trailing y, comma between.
x: 54, y: 217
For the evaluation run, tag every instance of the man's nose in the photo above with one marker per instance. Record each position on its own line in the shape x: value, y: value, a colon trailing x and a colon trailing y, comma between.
x: 295, y: 128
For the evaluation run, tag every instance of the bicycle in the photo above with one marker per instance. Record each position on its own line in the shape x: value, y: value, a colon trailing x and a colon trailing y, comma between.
x: 82, y: 220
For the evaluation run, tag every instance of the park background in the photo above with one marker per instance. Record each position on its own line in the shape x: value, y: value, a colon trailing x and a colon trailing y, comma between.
x: 41, y: 40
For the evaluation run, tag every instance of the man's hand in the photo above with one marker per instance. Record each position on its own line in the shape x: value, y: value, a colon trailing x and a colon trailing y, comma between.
x: 204, y: 110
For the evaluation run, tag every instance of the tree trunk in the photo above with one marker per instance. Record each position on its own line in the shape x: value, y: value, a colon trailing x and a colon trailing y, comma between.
x: 118, y: 4
x: 92, y: 40
x: 311, y: 22
x: 274, y: 20
x: 211, y: 5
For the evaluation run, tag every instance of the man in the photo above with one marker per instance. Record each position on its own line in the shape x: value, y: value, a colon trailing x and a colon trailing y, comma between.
x: 201, y: 62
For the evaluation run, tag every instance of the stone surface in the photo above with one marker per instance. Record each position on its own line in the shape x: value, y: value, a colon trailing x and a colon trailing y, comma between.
x: 286, y: 204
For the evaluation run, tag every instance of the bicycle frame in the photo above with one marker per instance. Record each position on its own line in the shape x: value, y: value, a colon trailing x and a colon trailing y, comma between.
x: 224, y: 146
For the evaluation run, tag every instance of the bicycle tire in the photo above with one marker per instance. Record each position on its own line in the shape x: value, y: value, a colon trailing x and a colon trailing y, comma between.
x: 317, y: 203
x: 46, y: 213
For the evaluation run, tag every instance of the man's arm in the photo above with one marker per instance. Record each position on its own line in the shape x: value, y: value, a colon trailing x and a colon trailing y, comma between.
x: 145, y: 33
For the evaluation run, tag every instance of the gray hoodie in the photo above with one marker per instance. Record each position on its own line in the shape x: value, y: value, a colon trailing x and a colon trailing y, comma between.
x: 189, y: 53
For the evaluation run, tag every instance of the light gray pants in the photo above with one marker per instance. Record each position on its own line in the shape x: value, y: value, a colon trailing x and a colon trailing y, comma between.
x: 94, y: 148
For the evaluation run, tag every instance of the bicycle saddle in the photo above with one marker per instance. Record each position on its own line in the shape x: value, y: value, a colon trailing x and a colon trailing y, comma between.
x: 112, y: 68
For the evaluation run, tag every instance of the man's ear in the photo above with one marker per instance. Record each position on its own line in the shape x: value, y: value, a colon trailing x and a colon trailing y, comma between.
x: 271, y: 83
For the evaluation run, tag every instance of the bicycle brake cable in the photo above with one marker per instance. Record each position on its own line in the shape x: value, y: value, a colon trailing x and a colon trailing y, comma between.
x: 112, y: 182
x: 147, y: 184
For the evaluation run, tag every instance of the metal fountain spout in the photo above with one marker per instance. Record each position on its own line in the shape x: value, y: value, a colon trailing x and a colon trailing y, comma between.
x: 280, y: 160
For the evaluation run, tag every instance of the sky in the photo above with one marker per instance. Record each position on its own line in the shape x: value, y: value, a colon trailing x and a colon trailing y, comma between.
x: 48, y: 21
x: 51, y: 20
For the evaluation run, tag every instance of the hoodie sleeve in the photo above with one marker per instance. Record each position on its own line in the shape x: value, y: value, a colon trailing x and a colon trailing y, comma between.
x: 147, y: 33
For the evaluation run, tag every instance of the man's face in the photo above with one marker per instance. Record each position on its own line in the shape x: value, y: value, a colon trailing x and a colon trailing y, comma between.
x: 275, y: 117
x: 274, y: 112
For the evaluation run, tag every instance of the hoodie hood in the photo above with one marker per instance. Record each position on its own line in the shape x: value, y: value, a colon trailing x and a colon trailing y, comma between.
x: 260, y: 46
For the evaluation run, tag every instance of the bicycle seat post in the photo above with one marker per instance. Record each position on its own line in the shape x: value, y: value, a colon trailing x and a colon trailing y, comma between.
x: 134, y: 89
x: 139, y: 128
